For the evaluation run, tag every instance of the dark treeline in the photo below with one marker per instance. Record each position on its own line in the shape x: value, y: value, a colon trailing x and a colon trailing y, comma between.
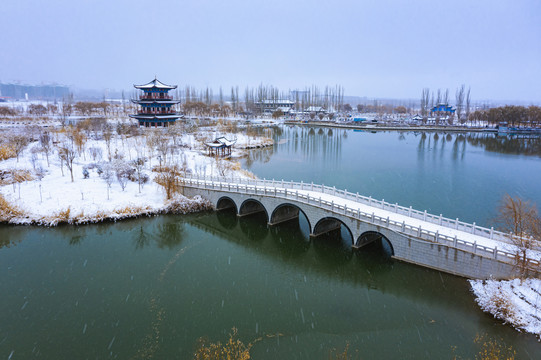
x: 510, y: 114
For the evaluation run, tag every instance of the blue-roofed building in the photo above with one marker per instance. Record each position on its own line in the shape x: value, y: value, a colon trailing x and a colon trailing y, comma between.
x: 443, y: 109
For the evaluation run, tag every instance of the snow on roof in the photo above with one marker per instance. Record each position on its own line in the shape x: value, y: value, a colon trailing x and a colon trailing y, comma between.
x: 155, y: 84
x: 155, y: 101
x: 221, y: 141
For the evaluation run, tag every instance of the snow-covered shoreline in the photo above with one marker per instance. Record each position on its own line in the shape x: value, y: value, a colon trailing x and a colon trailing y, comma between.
x: 513, y: 301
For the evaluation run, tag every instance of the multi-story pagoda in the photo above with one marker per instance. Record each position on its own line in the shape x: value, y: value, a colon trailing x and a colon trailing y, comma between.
x: 156, y: 105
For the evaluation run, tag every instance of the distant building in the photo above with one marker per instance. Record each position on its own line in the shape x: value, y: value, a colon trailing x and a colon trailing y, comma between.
x: 270, y: 106
x: 33, y: 92
x: 315, y: 109
x: 443, y: 109
x: 156, y: 105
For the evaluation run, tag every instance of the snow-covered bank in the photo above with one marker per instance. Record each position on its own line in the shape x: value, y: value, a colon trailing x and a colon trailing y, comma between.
x: 108, y: 183
x: 515, y: 302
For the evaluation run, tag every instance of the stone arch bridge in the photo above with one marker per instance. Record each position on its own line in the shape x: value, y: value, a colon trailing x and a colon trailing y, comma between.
x: 416, y: 237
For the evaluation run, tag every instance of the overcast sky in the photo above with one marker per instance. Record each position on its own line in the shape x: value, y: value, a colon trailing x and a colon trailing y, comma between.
x: 380, y: 48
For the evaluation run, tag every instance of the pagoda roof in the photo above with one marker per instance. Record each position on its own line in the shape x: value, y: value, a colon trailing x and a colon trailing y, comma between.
x: 156, y: 101
x: 155, y: 84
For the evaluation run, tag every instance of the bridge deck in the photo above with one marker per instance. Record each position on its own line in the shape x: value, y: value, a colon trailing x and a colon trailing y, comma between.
x: 397, y: 218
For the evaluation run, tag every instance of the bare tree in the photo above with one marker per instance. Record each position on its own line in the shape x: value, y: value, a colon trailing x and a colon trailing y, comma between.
x: 168, y: 177
x: 95, y: 152
x: 65, y: 112
x: 108, y: 136
x: 460, y: 93
x: 123, y: 172
x: 139, y: 165
x: 425, y: 99
x: 52, y: 109
x: 37, y: 110
x: 67, y: 154
x: 151, y: 142
x: 446, y: 97
x: 34, y: 151
x: 162, y: 145
x: 521, y: 220
x: 19, y: 143
x: 468, y: 103
x: 108, y: 176
x: 46, y: 145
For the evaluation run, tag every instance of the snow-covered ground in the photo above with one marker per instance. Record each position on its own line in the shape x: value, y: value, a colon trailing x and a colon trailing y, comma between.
x: 52, y: 198
x: 515, y: 302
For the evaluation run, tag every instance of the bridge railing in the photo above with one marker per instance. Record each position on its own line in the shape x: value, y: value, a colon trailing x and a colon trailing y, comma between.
x: 381, y: 204
x: 290, y: 190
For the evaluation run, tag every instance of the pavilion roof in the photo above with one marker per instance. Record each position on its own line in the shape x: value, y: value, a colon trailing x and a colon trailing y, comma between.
x: 221, y: 141
x: 155, y: 84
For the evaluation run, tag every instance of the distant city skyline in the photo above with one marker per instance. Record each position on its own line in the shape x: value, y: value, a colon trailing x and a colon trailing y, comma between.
x: 374, y: 49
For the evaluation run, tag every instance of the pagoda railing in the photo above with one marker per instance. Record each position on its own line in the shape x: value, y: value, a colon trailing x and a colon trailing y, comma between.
x: 157, y: 112
x: 153, y: 97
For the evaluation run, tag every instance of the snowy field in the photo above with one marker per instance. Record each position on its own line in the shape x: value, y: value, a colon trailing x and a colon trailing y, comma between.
x: 41, y: 191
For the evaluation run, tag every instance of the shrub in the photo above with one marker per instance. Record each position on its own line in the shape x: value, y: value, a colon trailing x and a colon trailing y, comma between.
x: 131, y: 210
x: 167, y: 178
x: 7, y: 210
x: 505, y: 309
x: 182, y: 205
x: 13, y: 176
x: 6, y: 152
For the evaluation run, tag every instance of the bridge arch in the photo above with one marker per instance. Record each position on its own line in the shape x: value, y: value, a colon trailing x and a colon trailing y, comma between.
x: 286, y: 212
x: 226, y: 202
x: 328, y: 224
x: 369, y: 237
x: 252, y: 206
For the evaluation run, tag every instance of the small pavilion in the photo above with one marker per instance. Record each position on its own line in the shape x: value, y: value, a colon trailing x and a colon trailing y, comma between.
x: 220, y: 147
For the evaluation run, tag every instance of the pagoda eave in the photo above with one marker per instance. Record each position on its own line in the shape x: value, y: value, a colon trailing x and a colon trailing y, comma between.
x: 156, y: 117
x: 156, y: 101
x: 155, y: 84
